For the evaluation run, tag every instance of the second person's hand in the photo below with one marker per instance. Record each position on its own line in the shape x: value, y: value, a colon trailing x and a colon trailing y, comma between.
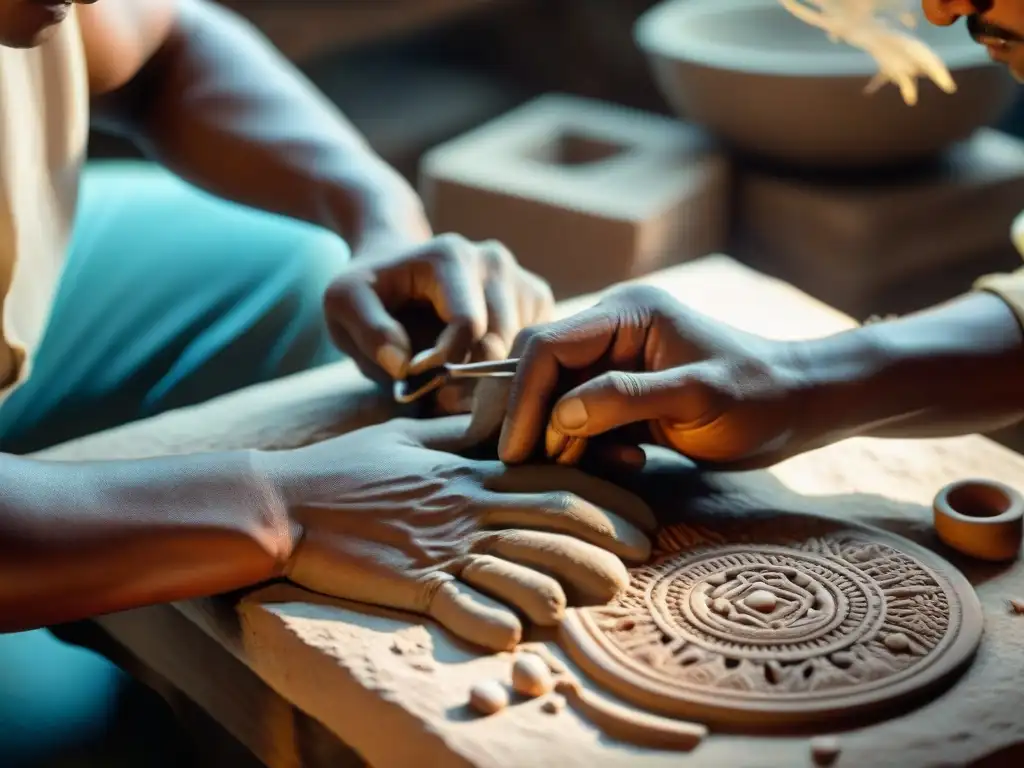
x: 641, y: 367
x: 401, y: 307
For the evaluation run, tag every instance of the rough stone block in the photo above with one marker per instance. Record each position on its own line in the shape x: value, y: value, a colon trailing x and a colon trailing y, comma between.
x: 871, y: 244
x: 584, y: 193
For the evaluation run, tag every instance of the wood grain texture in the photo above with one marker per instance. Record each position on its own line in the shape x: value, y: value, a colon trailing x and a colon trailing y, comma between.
x: 395, y: 689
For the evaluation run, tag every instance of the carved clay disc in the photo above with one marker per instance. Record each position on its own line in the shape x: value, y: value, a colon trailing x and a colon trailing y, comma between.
x: 780, y: 621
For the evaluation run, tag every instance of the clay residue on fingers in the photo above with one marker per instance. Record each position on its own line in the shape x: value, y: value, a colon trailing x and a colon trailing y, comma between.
x: 537, y: 595
x: 475, y: 617
x: 594, y: 575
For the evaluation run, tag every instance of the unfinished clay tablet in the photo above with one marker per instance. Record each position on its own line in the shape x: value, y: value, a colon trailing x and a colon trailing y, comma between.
x: 781, y: 622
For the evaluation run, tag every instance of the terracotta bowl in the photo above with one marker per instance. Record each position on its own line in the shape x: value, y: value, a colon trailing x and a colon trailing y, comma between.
x: 774, y: 87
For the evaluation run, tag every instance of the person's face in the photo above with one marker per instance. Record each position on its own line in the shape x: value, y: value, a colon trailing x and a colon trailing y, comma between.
x: 27, y: 23
x: 996, y: 24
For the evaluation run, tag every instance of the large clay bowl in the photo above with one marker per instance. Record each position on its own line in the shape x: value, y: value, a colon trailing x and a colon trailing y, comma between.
x: 774, y: 87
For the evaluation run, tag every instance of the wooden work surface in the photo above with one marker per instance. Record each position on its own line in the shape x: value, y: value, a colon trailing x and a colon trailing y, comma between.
x: 394, y: 688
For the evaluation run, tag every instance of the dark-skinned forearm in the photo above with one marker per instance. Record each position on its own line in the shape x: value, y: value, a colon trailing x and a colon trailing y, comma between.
x: 83, y: 539
x: 223, y: 109
x: 954, y: 369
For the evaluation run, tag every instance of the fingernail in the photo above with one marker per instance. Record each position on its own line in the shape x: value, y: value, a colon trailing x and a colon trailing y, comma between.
x: 554, y: 442
x: 428, y: 358
x: 573, y: 452
x: 393, y: 360
x: 571, y: 414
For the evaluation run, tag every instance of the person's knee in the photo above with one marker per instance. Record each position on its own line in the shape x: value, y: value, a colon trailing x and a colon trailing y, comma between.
x: 312, y: 259
x: 64, y: 705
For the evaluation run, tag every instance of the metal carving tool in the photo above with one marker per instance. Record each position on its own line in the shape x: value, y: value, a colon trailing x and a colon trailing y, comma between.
x: 421, y: 384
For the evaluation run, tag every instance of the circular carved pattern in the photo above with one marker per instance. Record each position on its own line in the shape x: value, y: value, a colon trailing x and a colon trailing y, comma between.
x: 769, y: 602
x: 758, y: 627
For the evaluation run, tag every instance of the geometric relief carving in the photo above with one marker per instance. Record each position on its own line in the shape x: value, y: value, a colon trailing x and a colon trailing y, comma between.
x: 781, y: 622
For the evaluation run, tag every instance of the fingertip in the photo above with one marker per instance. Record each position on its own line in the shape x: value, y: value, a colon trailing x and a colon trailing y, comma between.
x: 428, y: 358
x: 456, y: 341
x: 506, y: 451
x: 626, y: 540
x: 617, y: 581
x: 646, y: 521
x: 475, y: 617
x: 570, y: 415
x: 639, y: 546
x: 514, y: 444
x: 393, y: 359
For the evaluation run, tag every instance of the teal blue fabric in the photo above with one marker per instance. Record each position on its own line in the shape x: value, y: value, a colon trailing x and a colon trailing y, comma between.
x: 169, y: 297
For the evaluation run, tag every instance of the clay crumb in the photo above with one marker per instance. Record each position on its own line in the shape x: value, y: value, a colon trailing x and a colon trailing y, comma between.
x: 406, y: 646
x: 488, y: 697
x: 556, y: 667
x: 554, y: 704
x: 897, y: 642
x: 1017, y: 606
x: 415, y: 652
x: 531, y: 676
x: 824, y: 750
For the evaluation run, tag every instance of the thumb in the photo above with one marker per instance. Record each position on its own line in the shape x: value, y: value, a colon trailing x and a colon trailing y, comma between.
x: 619, y: 398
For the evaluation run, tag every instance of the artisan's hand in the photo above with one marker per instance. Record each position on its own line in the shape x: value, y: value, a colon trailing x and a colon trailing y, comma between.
x: 388, y: 516
x: 476, y: 298
x: 641, y: 359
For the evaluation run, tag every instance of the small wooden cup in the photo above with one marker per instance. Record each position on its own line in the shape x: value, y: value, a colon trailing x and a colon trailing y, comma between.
x: 983, y: 519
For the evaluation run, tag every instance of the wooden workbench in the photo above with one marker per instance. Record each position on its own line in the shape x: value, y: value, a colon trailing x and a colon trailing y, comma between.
x: 294, y: 676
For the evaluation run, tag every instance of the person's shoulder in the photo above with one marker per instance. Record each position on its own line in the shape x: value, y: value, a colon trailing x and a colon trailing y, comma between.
x: 120, y: 36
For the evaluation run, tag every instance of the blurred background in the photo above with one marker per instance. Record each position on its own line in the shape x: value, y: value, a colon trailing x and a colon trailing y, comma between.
x: 744, y: 143
x: 413, y: 73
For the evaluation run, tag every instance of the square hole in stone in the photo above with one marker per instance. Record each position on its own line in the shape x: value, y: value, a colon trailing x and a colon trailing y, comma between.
x: 572, y: 148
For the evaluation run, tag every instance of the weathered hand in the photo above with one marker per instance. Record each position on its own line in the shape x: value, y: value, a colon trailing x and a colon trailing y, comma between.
x: 387, y: 516
x: 640, y: 367
x: 448, y: 299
